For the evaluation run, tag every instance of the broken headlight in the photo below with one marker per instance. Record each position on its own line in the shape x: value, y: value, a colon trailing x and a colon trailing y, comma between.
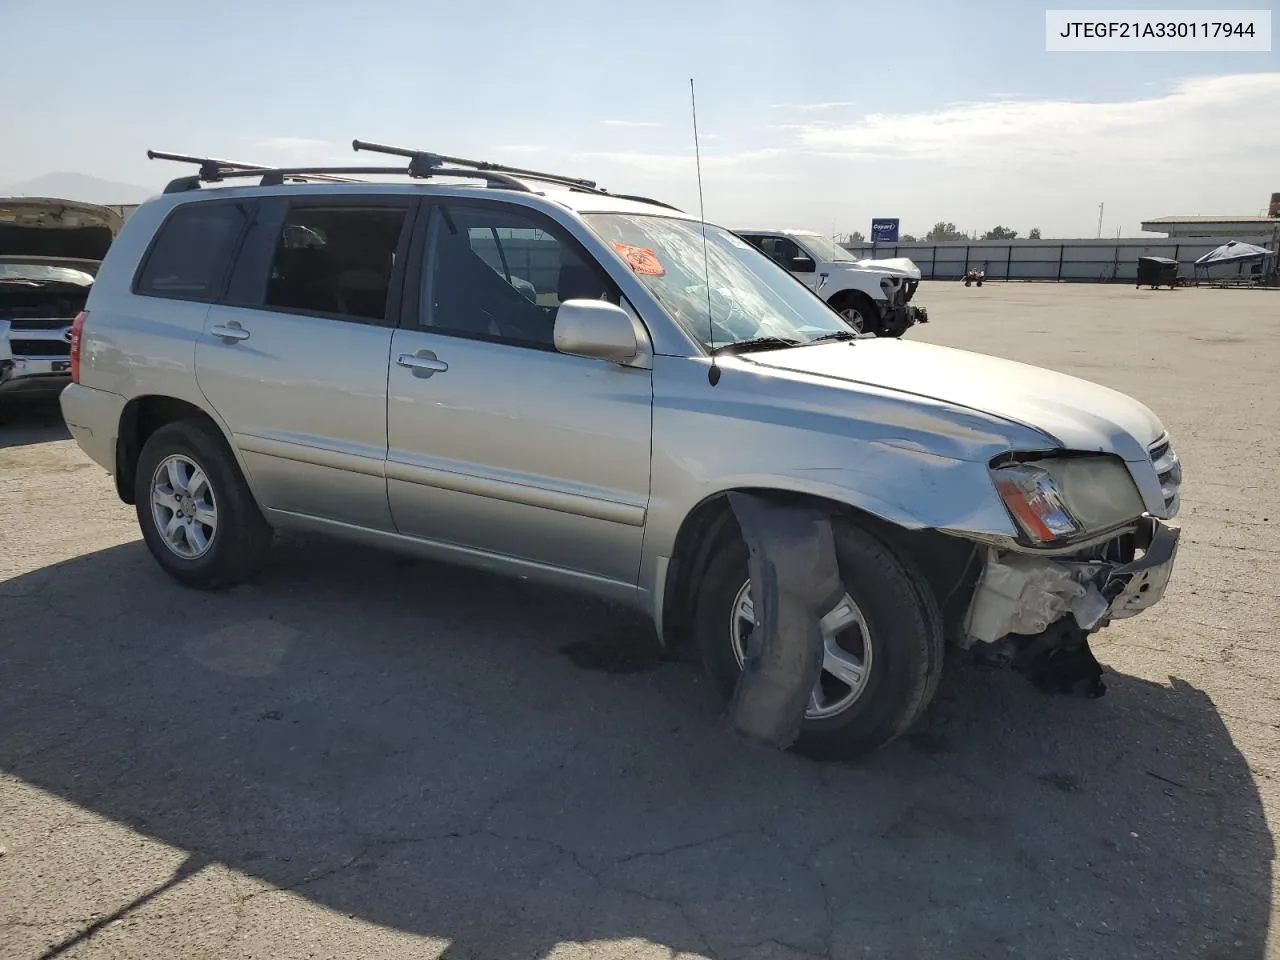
x: 1068, y: 498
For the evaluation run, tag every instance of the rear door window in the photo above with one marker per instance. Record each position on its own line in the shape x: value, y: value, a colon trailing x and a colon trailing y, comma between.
x: 192, y: 250
x: 336, y: 261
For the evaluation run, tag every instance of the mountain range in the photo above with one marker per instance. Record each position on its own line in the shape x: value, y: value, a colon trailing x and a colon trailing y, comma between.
x: 78, y: 186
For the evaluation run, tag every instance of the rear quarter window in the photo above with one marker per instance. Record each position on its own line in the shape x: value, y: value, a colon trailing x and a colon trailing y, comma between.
x: 192, y: 250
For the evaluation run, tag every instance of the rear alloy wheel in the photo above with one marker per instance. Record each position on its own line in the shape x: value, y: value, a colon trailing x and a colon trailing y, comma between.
x: 197, y: 515
x: 882, y: 643
x: 183, y: 507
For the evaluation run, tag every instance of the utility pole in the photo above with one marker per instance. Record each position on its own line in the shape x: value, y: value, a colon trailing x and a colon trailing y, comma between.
x: 1100, y: 206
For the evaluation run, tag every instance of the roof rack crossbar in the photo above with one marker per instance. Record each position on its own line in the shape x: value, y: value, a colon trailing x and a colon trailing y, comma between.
x: 423, y: 160
x: 280, y: 173
x: 213, y: 169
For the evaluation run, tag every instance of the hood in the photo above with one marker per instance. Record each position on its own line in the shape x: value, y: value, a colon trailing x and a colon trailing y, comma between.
x: 896, y: 266
x: 50, y: 230
x: 1075, y: 414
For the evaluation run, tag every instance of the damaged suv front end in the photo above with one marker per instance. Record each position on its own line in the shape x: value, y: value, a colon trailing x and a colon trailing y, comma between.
x: 1091, y: 549
x: 1038, y: 503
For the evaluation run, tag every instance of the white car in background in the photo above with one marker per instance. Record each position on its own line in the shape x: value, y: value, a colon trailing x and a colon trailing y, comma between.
x: 50, y: 250
x: 873, y: 296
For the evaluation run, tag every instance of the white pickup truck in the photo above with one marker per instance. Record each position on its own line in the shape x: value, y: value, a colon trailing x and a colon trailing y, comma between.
x: 872, y: 295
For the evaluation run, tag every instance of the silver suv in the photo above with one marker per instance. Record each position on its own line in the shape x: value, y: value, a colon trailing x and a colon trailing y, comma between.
x: 528, y: 374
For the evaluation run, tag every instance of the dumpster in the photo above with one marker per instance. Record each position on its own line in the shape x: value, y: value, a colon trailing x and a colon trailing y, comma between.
x: 1157, y: 272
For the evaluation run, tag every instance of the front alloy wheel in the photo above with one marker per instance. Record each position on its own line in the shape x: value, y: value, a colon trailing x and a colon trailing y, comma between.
x: 847, y: 653
x: 882, y: 642
x: 854, y: 318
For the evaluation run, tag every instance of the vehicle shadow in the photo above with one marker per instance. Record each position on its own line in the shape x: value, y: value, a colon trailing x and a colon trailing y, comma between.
x: 25, y: 422
x: 400, y: 742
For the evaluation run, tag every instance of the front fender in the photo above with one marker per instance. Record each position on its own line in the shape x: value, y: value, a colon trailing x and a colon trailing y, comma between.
x: 913, y: 462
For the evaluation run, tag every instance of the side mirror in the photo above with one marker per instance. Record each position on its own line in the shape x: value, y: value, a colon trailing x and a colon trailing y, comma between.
x: 596, y: 329
x: 801, y: 265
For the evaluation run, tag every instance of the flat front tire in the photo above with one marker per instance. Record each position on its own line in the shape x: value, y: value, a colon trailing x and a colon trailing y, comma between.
x: 197, y: 514
x: 882, y: 644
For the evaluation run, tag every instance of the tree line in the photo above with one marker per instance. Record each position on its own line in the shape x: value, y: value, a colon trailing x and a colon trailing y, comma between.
x: 945, y: 230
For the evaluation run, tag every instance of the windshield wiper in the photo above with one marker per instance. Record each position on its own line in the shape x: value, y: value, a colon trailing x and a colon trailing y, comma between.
x: 756, y: 343
x: 834, y: 335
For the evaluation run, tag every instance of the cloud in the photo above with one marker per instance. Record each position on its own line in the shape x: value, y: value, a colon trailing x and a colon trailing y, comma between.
x: 1195, y: 145
x: 1199, y: 120
x: 1199, y: 144
x: 630, y: 123
x: 811, y: 107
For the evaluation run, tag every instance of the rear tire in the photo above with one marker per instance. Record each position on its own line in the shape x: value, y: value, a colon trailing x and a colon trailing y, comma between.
x: 197, y: 515
x: 904, y: 631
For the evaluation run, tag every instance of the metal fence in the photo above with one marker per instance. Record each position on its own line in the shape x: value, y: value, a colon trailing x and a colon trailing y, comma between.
x: 1096, y: 261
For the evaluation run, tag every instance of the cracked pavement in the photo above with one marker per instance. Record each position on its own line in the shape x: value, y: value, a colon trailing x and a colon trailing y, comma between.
x: 359, y: 755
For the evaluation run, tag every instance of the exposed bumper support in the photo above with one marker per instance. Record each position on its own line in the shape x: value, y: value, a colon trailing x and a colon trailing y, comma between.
x: 897, y: 319
x: 1025, y: 595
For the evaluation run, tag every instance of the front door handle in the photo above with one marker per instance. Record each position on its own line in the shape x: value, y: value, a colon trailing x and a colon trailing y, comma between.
x: 229, y: 332
x: 423, y: 363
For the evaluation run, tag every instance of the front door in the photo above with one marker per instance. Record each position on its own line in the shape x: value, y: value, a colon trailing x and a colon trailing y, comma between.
x: 499, y: 446
x: 789, y: 255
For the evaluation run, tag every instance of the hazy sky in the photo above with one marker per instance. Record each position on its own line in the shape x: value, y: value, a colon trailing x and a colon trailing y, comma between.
x: 813, y: 114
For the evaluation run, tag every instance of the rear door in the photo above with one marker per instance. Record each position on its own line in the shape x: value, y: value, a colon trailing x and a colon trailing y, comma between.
x: 295, y: 358
x: 499, y: 443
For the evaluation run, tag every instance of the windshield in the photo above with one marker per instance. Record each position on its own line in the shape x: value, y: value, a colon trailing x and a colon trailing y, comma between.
x: 43, y: 273
x: 823, y: 247
x: 751, y: 296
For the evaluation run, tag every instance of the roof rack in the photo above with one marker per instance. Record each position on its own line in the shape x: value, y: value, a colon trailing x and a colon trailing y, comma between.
x: 213, y: 170
x: 421, y: 166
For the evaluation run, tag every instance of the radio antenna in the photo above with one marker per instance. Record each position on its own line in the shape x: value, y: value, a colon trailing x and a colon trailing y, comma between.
x: 713, y: 373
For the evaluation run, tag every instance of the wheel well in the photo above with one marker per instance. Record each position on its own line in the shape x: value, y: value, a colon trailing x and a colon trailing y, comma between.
x: 945, y: 563
x: 140, y: 418
x: 848, y: 296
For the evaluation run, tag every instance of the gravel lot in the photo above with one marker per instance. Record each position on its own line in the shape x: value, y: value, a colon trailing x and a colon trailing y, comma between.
x: 363, y: 756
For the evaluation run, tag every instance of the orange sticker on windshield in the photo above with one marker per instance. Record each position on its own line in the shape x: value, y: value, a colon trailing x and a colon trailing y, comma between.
x: 641, y: 259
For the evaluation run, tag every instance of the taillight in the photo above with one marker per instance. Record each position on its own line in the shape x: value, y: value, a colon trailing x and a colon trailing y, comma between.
x: 77, y: 334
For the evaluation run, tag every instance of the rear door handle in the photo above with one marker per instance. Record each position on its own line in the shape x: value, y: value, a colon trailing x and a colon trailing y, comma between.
x: 229, y: 332
x: 423, y: 364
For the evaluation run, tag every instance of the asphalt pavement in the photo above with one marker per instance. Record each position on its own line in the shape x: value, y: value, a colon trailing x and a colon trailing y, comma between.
x: 359, y: 755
